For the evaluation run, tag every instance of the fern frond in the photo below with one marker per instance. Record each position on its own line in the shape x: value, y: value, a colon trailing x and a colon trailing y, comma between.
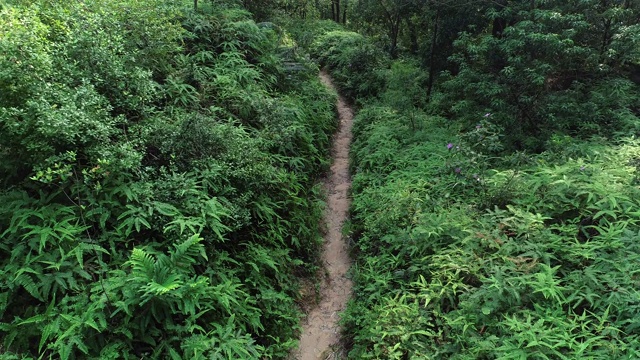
x: 28, y: 283
x: 181, y: 223
x: 170, y: 283
x: 186, y: 253
x: 214, y: 211
x: 142, y: 263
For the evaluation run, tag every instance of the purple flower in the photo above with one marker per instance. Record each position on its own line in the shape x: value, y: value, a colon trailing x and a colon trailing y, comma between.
x: 478, y: 126
x: 457, y: 170
x: 487, y: 114
x: 449, y: 146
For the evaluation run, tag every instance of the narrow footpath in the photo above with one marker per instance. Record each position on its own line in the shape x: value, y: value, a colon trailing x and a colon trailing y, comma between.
x: 320, y: 330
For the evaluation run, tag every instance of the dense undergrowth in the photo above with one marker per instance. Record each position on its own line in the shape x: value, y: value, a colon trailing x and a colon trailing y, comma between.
x: 466, y: 249
x: 157, y: 191
x: 158, y: 198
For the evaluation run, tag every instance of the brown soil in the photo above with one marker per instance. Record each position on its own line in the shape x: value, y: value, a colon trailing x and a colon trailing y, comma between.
x: 320, y: 330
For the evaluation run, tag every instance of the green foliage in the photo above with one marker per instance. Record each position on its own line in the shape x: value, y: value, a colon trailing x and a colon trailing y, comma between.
x: 387, y: 17
x: 466, y: 251
x: 551, y: 67
x: 520, y: 261
x: 354, y: 62
x: 404, y: 90
x: 158, y: 193
x: 306, y: 32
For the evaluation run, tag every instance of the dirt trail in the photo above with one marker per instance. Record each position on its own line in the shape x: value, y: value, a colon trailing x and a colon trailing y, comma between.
x: 320, y: 330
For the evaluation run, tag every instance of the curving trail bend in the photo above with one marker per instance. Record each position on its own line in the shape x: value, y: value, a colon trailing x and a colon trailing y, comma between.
x: 320, y: 329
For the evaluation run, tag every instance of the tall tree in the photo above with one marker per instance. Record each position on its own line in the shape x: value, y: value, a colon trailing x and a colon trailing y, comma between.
x: 442, y: 21
x: 545, y: 66
x: 390, y: 14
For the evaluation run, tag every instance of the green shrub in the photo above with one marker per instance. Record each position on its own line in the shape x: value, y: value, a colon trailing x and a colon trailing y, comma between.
x: 494, y: 234
x: 158, y: 196
x: 464, y: 253
x: 354, y: 62
x: 509, y: 264
x: 306, y: 32
x: 518, y: 77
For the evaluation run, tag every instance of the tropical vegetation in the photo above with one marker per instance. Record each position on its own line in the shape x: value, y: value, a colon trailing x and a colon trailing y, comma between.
x: 159, y: 193
x: 495, y: 188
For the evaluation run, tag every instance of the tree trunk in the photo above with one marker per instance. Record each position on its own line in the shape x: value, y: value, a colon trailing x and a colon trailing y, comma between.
x: 335, y: 7
x: 432, y: 56
x: 395, y: 31
x: 195, y: 5
x: 413, y: 36
x: 499, y: 23
x: 333, y: 11
x: 344, y: 15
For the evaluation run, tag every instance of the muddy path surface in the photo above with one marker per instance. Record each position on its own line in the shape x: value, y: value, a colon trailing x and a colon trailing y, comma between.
x: 320, y: 330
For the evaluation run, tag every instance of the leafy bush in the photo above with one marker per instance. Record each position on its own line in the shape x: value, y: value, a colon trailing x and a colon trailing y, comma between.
x: 158, y: 194
x: 517, y: 262
x: 306, y: 32
x: 518, y: 76
x: 463, y: 251
x: 354, y: 62
x: 437, y: 276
